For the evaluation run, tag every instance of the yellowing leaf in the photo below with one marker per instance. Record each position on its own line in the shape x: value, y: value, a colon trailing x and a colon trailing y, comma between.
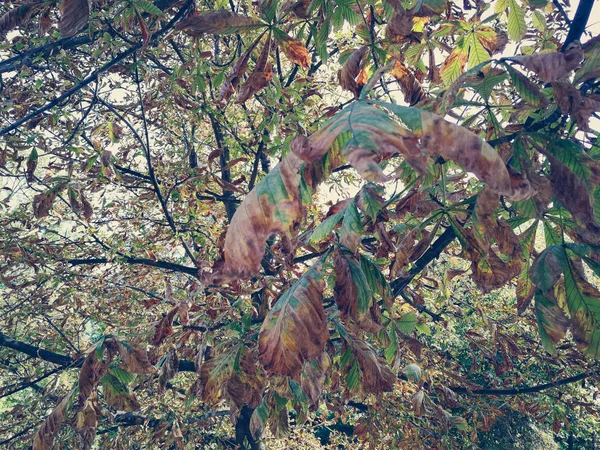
x: 295, y: 330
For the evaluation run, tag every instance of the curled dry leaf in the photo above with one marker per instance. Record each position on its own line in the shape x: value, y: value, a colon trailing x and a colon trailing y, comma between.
x: 571, y: 101
x: 86, y: 422
x: 349, y: 75
x: 552, y: 66
x: 217, y: 22
x: 235, y: 76
x: 400, y: 25
x: 74, y: 15
x: 168, y: 370
x: 409, y: 85
x: 259, y: 78
x: 294, y: 50
x: 16, y: 17
x: 44, y: 438
x: 164, y: 327
x: 135, y: 359
x: 93, y: 369
x: 42, y: 204
x: 295, y: 330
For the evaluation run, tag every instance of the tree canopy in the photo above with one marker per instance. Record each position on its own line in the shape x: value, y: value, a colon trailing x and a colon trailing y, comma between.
x: 294, y: 224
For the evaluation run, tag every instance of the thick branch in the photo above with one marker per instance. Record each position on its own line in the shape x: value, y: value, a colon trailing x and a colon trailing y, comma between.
x: 579, y: 23
x: 522, y: 390
x: 143, y: 261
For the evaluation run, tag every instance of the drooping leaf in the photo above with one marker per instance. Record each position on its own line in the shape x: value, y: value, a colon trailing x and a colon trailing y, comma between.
x: 32, y: 161
x: 135, y: 359
x: 516, y: 21
x: 293, y: 49
x: 74, y: 15
x: 295, y: 330
x: 117, y: 395
x: 409, y: 85
x: 16, y: 17
x: 351, y: 292
x: 552, y: 66
x: 238, y: 70
x: 216, y: 371
x: 313, y: 377
x: 527, y: 88
x: 218, y: 22
x: 44, y: 438
x: 259, y: 78
x: 374, y: 376
x: 86, y: 422
x: 348, y: 75
x: 168, y: 369
x: 93, y: 369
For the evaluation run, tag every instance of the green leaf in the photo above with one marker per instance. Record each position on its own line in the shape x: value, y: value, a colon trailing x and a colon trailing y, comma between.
x: 412, y: 372
x: 376, y: 280
x: 351, y: 230
x: 149, y: 7
x: 477, y: 53
x: 539, y: 21
x: 326, y: 227
x: 500, y: 6
x: 407, y: 323
x: 517, y: 28
x: 526, y: 88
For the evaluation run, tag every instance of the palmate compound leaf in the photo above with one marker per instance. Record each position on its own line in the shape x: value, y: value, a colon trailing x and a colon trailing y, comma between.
x: 44, y: 438
x: 218, y: 22
x: 363, y: 133
x: 295, y: 330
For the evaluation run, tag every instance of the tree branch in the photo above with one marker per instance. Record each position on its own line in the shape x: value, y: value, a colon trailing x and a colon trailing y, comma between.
x: 143, y: 261
x: 83, y: 83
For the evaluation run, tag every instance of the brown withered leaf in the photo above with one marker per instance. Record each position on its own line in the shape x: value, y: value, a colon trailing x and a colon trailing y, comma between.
x: 42, y: 203
x: 400, y: 25
x: 313, y: 377
x: 259, y: 78
x: 135, y: 359
x: 215, y: 372
x: 376, y: 376
x: 88, y: 210
x: 17, y: 16
x: 351, y: 291
x: 493, y: 41
x: 164, y: 327
x: 86, y: 422
x: 168, y: 370
x: 350, y: 71
x: 117, y: 395
x: 44, y: 438
x: 571, y: 101
x: 552, y: 66
x: 238, y: 70
x: 295, y: 330
x: 294, y: 50
x: 247, y: 386
x: 217, y: 22
x: 572, y: 193
x: 93, y: 369
x: 74, y: 15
